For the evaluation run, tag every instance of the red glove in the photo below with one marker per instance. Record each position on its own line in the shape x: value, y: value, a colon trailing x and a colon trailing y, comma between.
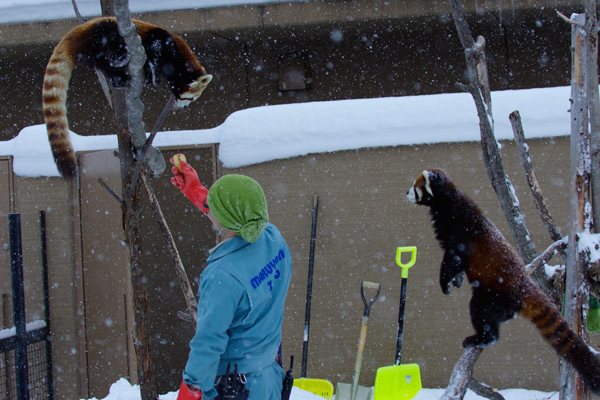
x: 187, y: 392
x: 186, y: 179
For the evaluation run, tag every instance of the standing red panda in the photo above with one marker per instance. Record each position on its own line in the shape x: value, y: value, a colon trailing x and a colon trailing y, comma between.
x: 474, y: 246
x: 97, y: 44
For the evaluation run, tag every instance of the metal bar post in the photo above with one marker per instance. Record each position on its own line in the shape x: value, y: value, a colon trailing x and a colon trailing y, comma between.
x: 16, y: 264
x: 311, y: 262
x: 49, y: 376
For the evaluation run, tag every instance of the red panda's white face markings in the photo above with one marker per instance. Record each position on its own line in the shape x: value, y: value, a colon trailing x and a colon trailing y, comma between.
x: 420, y: 187
x: 427, y: 182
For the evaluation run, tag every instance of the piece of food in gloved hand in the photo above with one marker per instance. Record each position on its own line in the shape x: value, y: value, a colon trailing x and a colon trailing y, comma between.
x: 177, y: 158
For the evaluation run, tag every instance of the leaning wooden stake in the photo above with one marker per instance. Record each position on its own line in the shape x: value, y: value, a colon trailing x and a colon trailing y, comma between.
x: 184, y: 282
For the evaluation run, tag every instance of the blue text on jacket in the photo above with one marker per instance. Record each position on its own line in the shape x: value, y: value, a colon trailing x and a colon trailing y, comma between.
x: 268, y: 270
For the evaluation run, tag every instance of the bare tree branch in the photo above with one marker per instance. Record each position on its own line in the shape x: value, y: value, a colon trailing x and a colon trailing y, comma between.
x: 542, y: 259
x: 137, y: 59
x: 461, y: 375
x: 484, y: 390
x: 475, y: 59
x: 148, y: 145
x: 188, y: 294
x: 534, y: 185
x: 112, y: 192
x: 568, y: 20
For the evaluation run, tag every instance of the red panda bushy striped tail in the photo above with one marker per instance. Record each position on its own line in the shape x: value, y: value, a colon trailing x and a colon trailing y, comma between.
x: 567, y: 343
x: 54, y: 98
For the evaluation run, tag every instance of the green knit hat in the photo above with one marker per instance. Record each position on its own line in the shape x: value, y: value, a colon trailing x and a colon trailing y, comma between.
x: 239, y: 204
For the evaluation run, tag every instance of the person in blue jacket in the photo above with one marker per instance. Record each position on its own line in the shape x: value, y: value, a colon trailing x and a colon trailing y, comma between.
x: 242, y: 290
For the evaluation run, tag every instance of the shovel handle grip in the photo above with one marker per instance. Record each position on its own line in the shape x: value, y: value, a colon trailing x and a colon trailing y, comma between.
x: 370, y: 285
x: 413, y: 258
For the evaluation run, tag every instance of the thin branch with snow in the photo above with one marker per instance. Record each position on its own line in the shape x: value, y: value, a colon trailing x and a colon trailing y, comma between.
x: 541, y: 260
x: 534, y: 185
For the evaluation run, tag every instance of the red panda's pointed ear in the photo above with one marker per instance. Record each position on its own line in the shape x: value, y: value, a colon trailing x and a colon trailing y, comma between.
x: 427, y: 182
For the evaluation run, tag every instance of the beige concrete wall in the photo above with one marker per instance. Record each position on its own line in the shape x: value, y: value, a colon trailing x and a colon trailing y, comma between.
x: 363, y: 217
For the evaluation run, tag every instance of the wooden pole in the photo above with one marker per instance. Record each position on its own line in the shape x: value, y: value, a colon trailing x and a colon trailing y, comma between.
x: 576, y: 286
x: 128, y: 111
x: 594, y: 105
x: 131, y: 212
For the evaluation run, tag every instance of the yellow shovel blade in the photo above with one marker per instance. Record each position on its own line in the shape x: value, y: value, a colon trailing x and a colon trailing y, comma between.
x: 397, y: 382
x: 320, y: 387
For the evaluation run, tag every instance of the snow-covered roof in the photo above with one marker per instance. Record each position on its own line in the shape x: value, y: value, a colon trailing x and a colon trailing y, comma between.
x: 267, y: 133
x: 46, y: 10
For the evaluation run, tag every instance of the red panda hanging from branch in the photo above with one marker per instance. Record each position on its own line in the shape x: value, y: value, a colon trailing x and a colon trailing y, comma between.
x: 97, y: 44
x: 473, y: 246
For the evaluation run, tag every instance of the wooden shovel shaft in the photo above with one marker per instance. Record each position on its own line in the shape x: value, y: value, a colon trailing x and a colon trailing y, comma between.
x: 359, y: 356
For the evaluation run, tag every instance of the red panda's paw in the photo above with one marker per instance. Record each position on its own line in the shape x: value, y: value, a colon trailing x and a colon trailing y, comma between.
x: 446, y: 288
x: 458, y: 280
x: 480, y: 341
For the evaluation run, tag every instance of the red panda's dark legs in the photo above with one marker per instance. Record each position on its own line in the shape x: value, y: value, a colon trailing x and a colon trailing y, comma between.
x: 452, y: 270
x: 488, y: 310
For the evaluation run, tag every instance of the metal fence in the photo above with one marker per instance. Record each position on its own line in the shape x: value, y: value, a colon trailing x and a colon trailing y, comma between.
x: 25, y: 357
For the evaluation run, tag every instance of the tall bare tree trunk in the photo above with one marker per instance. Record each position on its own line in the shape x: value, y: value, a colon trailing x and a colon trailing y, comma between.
x: 128, y: 111
x: 594, y: 105
x: 576, y: 292
x: 131, y: 213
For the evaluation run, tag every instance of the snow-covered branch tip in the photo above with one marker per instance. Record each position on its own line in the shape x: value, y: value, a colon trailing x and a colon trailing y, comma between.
x: 542, y: 259
x: 569, y: 20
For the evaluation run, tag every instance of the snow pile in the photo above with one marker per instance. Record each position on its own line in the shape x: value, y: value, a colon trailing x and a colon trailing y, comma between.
x: 122, y: 390
x: 265, y: 133
x: 261, y: 134
x: 508, y: 394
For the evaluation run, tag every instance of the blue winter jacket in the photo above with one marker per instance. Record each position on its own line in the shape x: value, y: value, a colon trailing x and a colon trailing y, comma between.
x: 240, y: 310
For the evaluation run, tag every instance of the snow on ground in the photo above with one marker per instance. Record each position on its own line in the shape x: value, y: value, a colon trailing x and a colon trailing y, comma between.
x: 122, y: 390
x: 267, y: 133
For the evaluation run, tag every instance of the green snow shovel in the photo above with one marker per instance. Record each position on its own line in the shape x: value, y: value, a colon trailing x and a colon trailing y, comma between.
x: 343, y: 390
x: 399, y: 382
